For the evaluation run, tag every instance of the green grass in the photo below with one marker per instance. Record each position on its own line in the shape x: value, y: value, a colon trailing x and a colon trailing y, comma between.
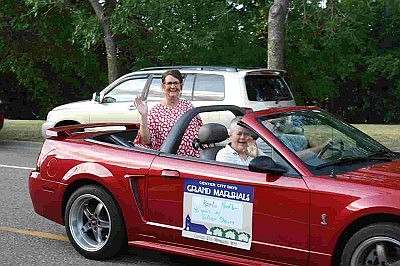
x: 388, y: 135
x: 30, y: 130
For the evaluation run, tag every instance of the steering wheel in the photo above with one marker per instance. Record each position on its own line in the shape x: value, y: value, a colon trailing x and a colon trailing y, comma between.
x: 333, y: 145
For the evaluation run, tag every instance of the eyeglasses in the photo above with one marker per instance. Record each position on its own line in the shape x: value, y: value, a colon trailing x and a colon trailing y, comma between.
x: 169, y: 84
x: 240, y: 133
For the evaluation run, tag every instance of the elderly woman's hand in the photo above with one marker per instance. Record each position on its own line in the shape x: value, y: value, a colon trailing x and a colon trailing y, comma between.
x: 252, y: 147
x: 141, y: 106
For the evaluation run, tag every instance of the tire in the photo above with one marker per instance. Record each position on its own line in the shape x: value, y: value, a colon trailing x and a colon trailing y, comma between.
x: 376, y: 244
x: 94, y: 223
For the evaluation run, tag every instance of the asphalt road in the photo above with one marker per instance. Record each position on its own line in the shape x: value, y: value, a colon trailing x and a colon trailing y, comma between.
x: 29, y: 239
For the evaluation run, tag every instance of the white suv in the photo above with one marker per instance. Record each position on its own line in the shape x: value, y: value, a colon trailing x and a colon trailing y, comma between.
x: 203, y: 85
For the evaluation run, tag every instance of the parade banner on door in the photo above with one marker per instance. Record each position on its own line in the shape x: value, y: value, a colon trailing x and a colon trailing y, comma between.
x: 216, y: 212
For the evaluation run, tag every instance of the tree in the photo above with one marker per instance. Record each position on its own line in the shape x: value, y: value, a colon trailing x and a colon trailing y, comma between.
x: 341, y: 55
x: 101, y: 11
x: 195, y: 32
x: 276, y: 34
x: 344, y: 57
x: 40, y: 65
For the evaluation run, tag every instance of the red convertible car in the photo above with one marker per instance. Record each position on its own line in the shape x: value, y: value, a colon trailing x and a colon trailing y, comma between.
x: 339, y: 206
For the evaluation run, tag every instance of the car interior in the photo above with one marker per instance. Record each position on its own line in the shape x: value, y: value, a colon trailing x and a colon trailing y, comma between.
x: 122, y: 138
x: 212, y: 138
x: 210, y: 135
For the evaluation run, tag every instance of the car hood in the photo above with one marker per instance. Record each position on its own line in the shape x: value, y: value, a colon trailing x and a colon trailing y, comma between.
x: 74, y: 105
x: 383, y: 175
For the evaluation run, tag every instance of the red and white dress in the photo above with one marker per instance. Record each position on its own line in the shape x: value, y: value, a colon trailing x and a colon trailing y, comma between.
x: 162, y: 118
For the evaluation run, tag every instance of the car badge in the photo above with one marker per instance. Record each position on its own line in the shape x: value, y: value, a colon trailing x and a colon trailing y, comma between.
x: 323, y: 217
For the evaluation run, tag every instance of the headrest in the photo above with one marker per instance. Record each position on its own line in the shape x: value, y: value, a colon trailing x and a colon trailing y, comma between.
x: 212, y: 133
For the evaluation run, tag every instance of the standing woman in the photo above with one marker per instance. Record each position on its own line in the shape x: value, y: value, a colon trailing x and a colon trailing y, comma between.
x: 157, y: 123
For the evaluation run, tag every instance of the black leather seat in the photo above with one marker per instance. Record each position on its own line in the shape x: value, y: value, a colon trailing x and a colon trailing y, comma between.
x: 209, y: 135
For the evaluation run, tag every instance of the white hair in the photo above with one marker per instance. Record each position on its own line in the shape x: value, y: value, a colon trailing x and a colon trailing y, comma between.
x: 234, y: 123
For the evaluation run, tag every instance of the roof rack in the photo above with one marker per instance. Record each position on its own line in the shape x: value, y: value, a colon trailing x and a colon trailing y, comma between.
x: 266, y: 70
x: 263, y: 69
x: 210, y: 68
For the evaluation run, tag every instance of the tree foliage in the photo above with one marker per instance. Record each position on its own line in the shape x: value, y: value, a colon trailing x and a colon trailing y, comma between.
x: 41, y: 66
x: 341, y: 55
x: 180, y: 32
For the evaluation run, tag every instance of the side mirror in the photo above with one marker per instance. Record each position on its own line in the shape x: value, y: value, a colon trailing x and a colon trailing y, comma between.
x: 96, y: 97
x: 264, y: 164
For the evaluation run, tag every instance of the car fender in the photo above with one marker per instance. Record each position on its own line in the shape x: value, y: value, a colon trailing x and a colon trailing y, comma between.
x: 77, y: 111
x: 80, y: 117
x: 378, y: 204
x: 97, y: 173
x: 95, y: 170
x: 354, y: 217
x: 332, y: 231
x: 337, y: 206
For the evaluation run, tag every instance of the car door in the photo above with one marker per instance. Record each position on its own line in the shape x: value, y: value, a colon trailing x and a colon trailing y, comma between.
x: 117, y: 104
x: 278, y: 214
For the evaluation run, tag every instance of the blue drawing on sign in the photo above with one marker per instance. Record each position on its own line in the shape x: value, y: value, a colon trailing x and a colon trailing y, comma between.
x: 193, y: 227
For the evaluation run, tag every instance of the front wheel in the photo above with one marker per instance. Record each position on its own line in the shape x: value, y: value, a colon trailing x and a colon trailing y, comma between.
x: 94, y: 223
x: 376, y: 244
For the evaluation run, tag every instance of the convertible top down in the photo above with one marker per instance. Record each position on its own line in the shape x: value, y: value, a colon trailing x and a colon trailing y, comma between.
x: 339, y: 207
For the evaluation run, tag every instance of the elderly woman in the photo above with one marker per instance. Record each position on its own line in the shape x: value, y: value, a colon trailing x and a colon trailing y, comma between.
x: 157, y: 123
x: 242, y: 148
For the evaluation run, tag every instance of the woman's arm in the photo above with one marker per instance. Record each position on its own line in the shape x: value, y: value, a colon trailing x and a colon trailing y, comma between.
x: 144, y: 132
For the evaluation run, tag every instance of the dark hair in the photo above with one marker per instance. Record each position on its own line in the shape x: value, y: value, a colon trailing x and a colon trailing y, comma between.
x: 173, y: 72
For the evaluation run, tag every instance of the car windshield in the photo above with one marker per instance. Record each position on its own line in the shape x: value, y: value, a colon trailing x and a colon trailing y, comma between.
x: 320, y: 140
x: 267, y: 88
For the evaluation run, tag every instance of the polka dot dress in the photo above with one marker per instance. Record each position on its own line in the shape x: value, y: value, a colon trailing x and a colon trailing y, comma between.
x: 162, y: 118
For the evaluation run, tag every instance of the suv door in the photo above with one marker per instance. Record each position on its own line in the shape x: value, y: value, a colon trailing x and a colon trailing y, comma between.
x: 117, y: 104
x: 199, y: 89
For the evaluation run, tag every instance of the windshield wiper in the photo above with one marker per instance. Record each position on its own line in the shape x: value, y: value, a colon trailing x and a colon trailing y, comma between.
x: 349, y: 160
x: 382, y: 155
x: 280, y: 98
x: 342, y: 161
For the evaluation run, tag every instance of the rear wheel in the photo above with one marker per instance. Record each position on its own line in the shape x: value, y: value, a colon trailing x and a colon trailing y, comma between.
x: 94, y: 223
x: 376, y: 244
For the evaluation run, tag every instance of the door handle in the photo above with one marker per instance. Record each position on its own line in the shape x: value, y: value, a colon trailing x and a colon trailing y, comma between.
x: 170, y: 173
x: 131, y: 107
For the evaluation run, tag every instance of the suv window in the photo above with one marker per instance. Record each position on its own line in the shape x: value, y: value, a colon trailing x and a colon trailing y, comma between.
x: 209, y: 88
x: 155, y: 90
x: 127, y: 90
x: 266, y: 88
x: 195, y: 88
x: 187, y: 90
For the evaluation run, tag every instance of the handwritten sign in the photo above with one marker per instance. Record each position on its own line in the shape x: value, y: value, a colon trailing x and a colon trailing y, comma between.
x: 218, y: 212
